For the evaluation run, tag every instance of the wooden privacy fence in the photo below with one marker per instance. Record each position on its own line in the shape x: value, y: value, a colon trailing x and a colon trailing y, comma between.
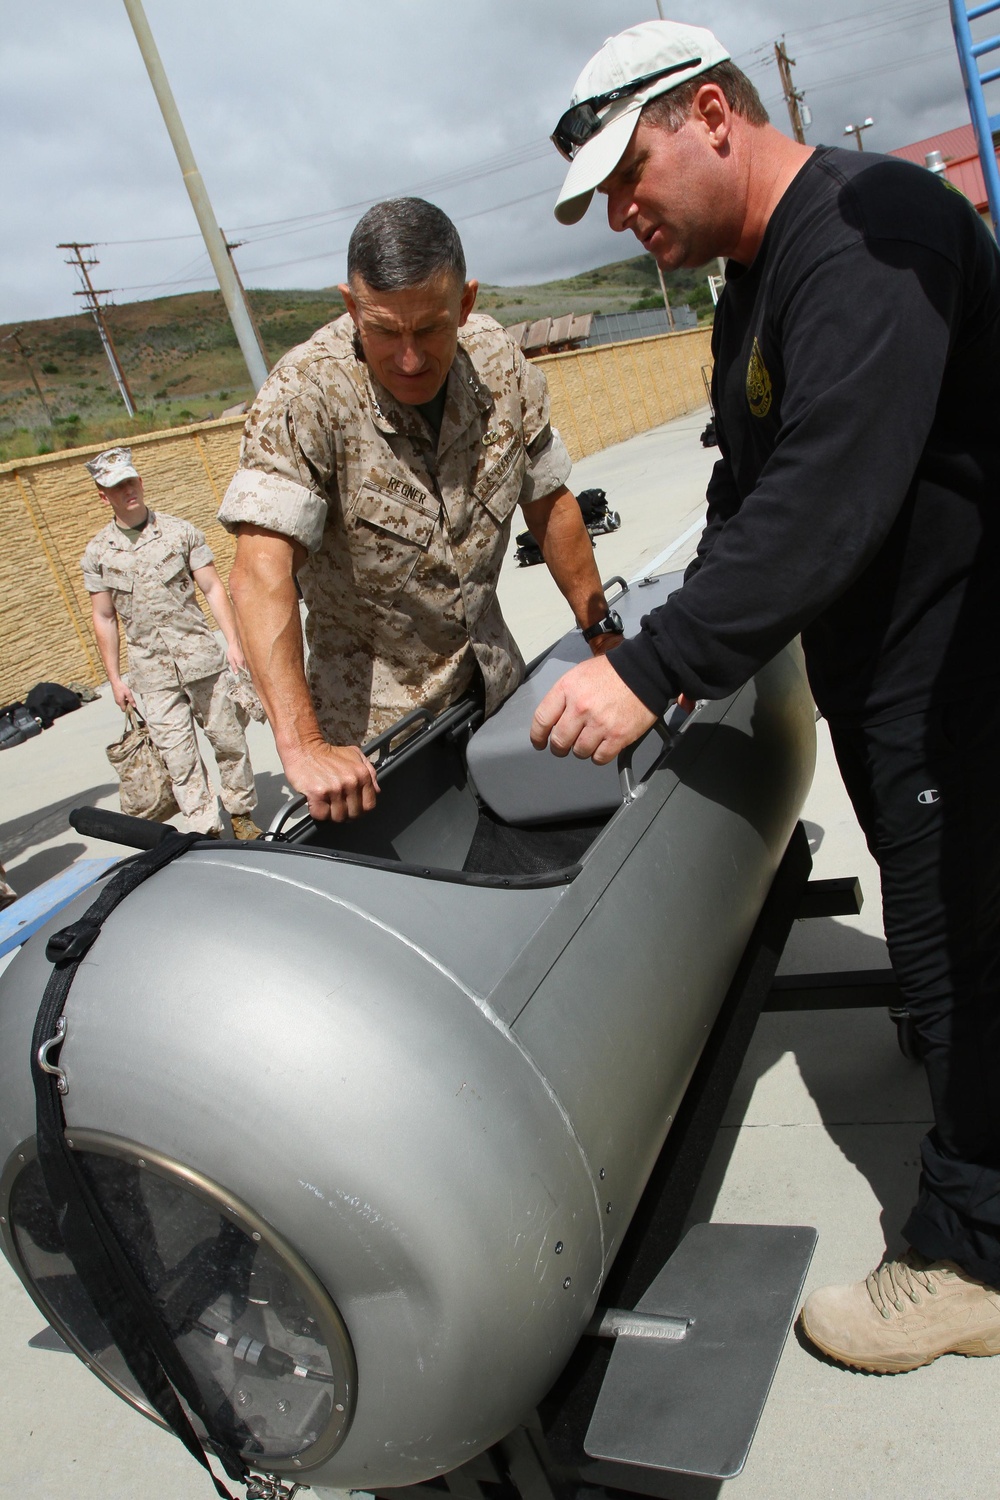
x: 49, y: 507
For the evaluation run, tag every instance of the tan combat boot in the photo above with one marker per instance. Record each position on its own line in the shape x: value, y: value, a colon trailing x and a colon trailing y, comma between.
x: 244, y: 827
x: 904, y: 1314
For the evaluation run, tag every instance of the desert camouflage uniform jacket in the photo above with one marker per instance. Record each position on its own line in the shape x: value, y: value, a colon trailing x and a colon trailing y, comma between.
x: 150, y: 582
x: 405, y: 536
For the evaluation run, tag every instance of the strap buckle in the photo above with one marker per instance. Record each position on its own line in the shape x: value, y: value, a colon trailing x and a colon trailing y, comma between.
x: 72, y: 942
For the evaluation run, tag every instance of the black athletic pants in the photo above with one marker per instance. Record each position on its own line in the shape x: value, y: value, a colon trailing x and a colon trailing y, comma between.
x: 926, y: 789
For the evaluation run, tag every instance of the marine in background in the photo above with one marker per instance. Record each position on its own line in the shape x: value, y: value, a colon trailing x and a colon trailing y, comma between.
x: 140, y: 572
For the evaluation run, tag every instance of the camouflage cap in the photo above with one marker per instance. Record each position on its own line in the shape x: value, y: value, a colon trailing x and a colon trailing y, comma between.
x: 111, y: 467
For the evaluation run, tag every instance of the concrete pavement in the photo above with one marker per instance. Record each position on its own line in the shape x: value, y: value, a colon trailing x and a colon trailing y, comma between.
x: 823, y: 1127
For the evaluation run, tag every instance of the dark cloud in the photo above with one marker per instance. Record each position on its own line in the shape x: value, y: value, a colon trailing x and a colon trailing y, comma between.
x: 316, y: 105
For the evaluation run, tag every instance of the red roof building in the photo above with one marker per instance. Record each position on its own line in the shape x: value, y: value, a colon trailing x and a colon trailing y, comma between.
x: 962, y: 169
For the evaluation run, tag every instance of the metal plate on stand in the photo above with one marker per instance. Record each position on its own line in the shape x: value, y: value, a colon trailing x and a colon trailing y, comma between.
x: 47, y: 1338
x: 691, y: 1405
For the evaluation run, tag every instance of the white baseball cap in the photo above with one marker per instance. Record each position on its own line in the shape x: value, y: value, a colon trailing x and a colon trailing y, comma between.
x: 631, y: 68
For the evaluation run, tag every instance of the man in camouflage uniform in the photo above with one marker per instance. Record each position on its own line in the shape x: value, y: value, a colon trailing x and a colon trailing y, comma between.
x: 141, y: 571
x: 381, y: 465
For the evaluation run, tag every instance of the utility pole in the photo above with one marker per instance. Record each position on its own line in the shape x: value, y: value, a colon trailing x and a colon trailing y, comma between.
x: 15, y: 339
x: 90, y: 297
x: 232, y: 245
x: 793, y: 98
x: 856, y: 130
x: 232, y: 293
x: 666, y: 299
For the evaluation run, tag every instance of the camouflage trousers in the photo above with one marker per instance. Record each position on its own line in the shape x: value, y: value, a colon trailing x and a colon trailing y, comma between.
x: 7, y: 893
x: 171, y: 714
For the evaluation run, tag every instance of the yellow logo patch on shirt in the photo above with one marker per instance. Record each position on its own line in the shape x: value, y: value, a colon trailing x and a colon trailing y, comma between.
x: 758, y: 383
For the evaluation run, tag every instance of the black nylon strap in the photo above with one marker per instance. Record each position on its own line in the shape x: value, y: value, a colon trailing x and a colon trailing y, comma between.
x: 116, y: 1292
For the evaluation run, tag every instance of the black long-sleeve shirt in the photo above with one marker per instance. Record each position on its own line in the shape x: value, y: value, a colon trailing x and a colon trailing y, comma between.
x: 857, y: 498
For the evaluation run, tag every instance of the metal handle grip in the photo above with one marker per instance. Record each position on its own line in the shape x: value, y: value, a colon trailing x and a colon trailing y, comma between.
x: 380, y: 748
x: 283, y: 814
x: 630, y: 788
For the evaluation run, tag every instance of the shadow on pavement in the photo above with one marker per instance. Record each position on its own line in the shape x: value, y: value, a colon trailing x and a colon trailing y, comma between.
x: 272, y: 793
x: 45, y: 823
x: 873, y: 1102
x: 42, y: 866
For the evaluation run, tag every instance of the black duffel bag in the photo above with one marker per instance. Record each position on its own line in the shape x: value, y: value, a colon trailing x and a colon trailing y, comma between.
x: 50, y: 700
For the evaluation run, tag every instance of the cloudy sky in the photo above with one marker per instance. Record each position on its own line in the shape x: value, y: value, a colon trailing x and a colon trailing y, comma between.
x: 302, y: 112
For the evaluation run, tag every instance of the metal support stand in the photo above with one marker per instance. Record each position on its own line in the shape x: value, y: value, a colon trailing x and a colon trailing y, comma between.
x: 691, y: 1404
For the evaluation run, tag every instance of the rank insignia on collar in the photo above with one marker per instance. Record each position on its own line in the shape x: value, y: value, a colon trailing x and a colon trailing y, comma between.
x: 492, y: 436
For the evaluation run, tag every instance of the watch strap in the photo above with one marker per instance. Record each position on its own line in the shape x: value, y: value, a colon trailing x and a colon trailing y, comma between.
x: 610, y: 625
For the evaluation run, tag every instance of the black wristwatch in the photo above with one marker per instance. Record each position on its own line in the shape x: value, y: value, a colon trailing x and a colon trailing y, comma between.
x: 610, y: 625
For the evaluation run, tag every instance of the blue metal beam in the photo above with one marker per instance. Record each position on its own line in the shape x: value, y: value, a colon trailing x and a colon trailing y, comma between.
x: 982, y: 124
x: 28, y: 913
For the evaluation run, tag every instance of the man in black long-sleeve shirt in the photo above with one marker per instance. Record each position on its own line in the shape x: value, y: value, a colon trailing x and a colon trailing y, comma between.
x: 857, y: 377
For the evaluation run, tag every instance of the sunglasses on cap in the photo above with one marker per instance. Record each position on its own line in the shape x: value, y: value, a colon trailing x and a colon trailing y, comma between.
x: 581, y: 123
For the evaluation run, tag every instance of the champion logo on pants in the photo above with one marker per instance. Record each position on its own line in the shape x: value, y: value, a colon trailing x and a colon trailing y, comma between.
x: 929, y: 796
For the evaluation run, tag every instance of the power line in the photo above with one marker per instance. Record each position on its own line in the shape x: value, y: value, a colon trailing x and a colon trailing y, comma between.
x: 459, y: 219
x: 350, y: 210
x: 199, y: 264
x: 477, y: 171
x: 864, y: 34
x: 342, y: 249
x: 897, y: 62
x: 890, y: 17
x: 445, y: 182
x: 885, y: 13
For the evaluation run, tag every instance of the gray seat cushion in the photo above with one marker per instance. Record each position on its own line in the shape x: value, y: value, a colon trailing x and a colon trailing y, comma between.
x: 522, y: 785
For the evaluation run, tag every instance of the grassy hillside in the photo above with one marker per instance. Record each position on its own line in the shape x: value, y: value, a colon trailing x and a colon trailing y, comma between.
x: 183, y: 364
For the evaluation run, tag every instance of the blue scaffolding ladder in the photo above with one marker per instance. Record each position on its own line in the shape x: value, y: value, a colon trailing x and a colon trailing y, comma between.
x: 983, y: 123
